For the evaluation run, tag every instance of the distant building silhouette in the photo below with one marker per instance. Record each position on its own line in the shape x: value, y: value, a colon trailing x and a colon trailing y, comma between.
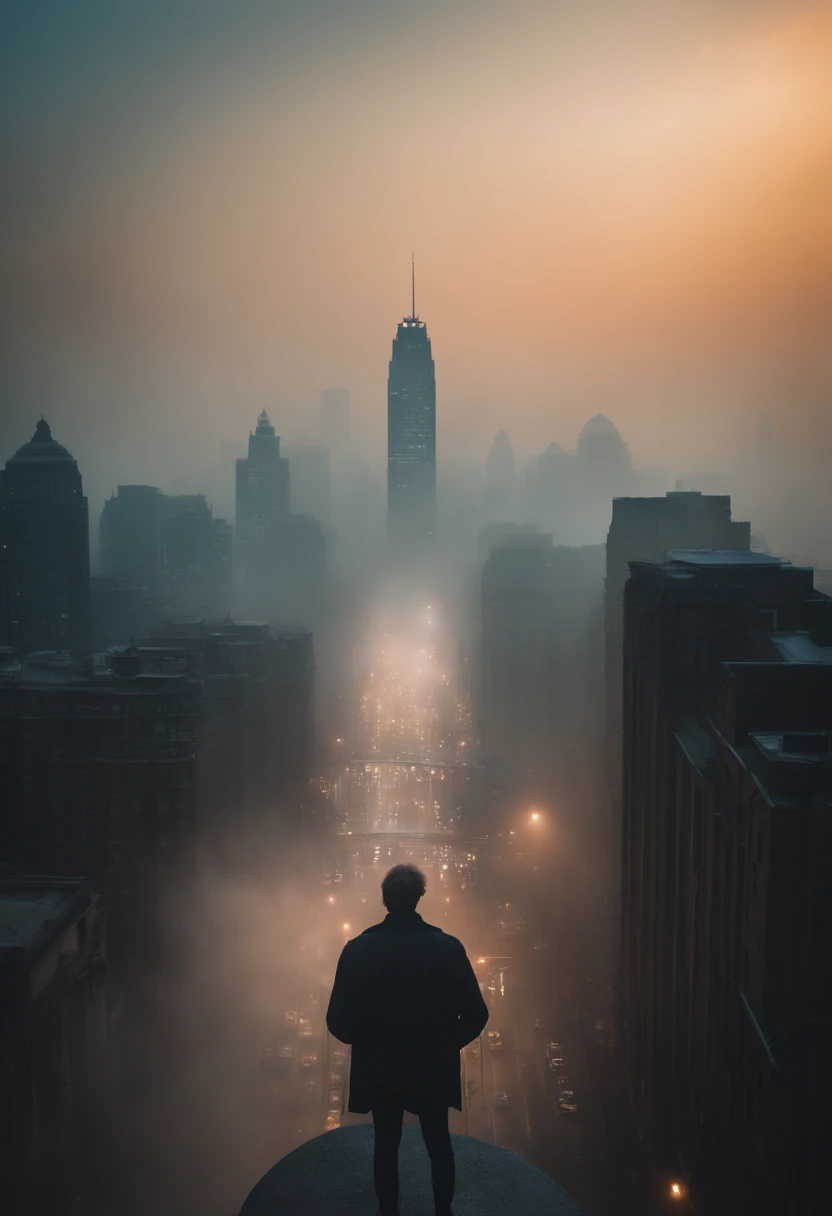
x: 602, y: 453
x: 281, y: 555
x: 262, y: 496
x: 517, y: 649
x: 335, y: 419
x: 725, y: 910
x: 411, y: 440
x: 540, y: 685
x: 196, y: 559
x: 44, y: 549
x: 130, y: 538
x: 500, y: 489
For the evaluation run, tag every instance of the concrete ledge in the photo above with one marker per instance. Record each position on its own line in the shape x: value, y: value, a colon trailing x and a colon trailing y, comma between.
x: 332, y: 1176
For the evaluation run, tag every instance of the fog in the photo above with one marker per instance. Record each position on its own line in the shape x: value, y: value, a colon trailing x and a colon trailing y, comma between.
x: 620, y: 210
x: 619, y: 218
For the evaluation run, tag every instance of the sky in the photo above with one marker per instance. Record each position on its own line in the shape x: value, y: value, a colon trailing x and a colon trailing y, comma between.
x: 210, y: 208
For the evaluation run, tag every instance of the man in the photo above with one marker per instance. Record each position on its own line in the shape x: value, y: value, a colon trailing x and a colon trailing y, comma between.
x: 406, y: 998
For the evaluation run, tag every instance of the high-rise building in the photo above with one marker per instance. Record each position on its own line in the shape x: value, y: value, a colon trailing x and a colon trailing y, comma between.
x: 725, y: 908
x: 644, y: 529
x: 130, y: 538
x: 517, y: 649
x: 335, y: 419
x: 44, y: 549
x: 411, y: 439
x: 196, y: 559
x: 262, y: 500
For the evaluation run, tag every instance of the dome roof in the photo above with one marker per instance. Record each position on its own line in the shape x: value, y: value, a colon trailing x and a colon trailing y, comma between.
x: 599, y: 425
x: 333, y: 1174
x: 42, y: 449
x: 553, y: 449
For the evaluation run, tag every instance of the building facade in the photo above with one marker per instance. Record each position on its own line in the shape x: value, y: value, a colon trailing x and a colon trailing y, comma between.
x: 197, y: 559
x: 411, y: 441
x: 56, y: 1013
x: 262, y: 500
x: 44, y: 549
x: 724, y: 886
x: 128, y: 773
x: 130, y: 539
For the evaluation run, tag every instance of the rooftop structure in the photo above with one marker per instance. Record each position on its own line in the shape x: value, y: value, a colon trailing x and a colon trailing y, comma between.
x: 333, y: 1175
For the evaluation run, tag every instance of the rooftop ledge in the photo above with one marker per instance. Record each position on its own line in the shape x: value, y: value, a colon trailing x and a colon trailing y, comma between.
x: 333, y: 1175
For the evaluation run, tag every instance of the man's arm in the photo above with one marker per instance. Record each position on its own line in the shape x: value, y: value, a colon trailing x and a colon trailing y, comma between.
x: 340, y: 1016
x: 473, y: 1011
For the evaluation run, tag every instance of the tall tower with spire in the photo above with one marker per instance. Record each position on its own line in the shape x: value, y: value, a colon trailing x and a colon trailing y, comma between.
x: 411, y: 437
x: 262, y: 496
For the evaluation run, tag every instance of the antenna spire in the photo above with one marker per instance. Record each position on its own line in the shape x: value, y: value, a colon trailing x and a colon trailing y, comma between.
x: 413, y: 284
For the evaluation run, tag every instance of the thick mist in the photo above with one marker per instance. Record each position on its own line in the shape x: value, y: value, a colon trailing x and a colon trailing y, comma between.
x: 619, y: 217
x: 631, y: 219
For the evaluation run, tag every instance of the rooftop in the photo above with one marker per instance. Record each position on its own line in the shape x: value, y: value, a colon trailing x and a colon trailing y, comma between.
x: 31, y: 909
x: 333, y: 1174
x: 722, y: 557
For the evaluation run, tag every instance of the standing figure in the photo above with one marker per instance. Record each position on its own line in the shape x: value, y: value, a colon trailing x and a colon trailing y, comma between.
x: 406, y: 997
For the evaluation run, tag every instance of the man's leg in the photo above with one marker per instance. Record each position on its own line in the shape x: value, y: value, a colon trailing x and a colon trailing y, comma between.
x: 387, y: 1121
x: 437, y: 1137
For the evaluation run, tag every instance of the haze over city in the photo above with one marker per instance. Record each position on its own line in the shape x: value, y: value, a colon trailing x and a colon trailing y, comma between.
x: 415, y: 443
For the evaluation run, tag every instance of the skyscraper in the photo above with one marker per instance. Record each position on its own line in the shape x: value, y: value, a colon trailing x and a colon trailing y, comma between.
x: 44, y: 548
x: 262, y: 499
x: 411, y: 438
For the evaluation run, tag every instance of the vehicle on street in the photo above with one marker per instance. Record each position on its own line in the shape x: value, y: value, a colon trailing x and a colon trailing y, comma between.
x: 563, y: 1082
x: 333, y: 1121
x: 501, y: 1099
x: 554, y: 1051
x: 308, y: 1059
x: 336, y: 1076
x: 556, y: 1065
x: 305, y: 1018
x: 333, y: 1100
x: 538, y: 1024
x: 567, y: 1102
x: 290, y: 1019
x: 339, y: 1058
x: 474, y: 1048
x: 495, y: 1042
x: 306, y: 1032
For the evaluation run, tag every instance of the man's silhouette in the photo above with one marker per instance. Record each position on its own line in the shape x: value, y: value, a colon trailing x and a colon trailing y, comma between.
x: 406, y: 998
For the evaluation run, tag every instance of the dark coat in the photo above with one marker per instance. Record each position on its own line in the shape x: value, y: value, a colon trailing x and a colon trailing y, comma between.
x: 406, y: 997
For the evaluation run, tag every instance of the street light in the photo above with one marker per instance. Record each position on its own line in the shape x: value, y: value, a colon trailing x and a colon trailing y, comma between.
x: 535, y: 816
x: 677, y: 1190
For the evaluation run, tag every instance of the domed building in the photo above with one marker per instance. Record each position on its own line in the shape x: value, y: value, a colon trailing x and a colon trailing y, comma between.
x: 44, y: 548
x: 602, y: 453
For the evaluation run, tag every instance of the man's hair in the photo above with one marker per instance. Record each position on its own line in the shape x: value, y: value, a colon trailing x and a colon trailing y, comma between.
x: 402, y: 888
